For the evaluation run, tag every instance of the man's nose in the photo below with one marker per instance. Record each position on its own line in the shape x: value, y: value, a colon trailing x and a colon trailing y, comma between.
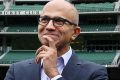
x: 50, y: 25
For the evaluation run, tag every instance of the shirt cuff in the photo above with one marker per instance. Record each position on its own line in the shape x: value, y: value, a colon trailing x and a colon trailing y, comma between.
x: 56, y: 77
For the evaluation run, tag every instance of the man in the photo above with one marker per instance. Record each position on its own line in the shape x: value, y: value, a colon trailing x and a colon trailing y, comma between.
x: 55, y: 60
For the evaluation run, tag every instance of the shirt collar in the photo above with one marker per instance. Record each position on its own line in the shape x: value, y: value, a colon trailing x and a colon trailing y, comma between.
x: 67, y: 56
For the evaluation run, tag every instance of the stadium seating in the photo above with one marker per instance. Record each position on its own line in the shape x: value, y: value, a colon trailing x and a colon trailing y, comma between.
x: 97, y: 27
x: 26, y: 7
x: 103, y: 58
x: 92, y: 7
x: 22, y: 28
x: 17, y: 55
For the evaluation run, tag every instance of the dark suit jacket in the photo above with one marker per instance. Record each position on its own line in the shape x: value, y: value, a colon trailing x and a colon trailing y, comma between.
x: 75, y: 69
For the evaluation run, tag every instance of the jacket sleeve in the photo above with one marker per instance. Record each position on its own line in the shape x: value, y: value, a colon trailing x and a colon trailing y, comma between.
x: 10, y: 73
x: 100, y: 74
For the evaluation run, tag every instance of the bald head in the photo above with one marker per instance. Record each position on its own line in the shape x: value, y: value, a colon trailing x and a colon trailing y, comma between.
x: 63, y: 7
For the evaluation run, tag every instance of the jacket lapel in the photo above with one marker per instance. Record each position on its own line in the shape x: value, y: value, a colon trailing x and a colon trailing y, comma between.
x: 69, y: 72
x: 35, y: 70
x: 72, y: 68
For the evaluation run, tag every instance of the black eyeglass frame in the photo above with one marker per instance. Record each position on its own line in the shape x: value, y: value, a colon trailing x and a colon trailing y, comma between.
x: 55, y: 18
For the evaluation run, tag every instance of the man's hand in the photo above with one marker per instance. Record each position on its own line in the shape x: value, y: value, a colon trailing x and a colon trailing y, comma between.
x: 49, y: 56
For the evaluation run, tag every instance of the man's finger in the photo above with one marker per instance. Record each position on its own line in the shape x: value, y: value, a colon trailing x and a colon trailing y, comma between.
x: 39, y: 57
x: 51, y: 42
x: 39, y: 50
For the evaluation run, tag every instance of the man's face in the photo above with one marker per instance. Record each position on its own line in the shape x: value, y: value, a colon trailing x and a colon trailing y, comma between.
x: 61, y: 35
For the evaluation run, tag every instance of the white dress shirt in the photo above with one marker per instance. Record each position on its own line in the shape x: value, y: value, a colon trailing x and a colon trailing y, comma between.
x: 61, y: 63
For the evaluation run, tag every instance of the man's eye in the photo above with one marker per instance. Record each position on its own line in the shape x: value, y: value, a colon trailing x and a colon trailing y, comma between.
x: 58, y: 22
x: 44, y: 20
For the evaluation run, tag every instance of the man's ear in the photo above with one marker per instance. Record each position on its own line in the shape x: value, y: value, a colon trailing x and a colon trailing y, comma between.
x: 76, y: 32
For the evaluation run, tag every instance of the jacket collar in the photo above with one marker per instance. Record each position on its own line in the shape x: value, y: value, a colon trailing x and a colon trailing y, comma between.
x: 69, y: 72
x: 35, y: 70
x: 72, y: 68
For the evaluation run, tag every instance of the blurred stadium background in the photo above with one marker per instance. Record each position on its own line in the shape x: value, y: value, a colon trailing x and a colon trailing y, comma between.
x: 99, y: 40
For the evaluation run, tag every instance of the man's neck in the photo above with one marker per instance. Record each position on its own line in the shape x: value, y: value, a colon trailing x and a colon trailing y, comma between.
x: 63, y: 50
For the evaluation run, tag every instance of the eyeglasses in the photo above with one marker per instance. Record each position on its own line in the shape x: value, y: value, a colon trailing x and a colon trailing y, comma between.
x: 57, y: 21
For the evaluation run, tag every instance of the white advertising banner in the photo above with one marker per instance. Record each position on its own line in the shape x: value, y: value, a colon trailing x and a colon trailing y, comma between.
x: 19, y: 12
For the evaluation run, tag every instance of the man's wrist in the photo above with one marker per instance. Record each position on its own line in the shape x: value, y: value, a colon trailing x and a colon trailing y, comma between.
x: 56, y: 77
